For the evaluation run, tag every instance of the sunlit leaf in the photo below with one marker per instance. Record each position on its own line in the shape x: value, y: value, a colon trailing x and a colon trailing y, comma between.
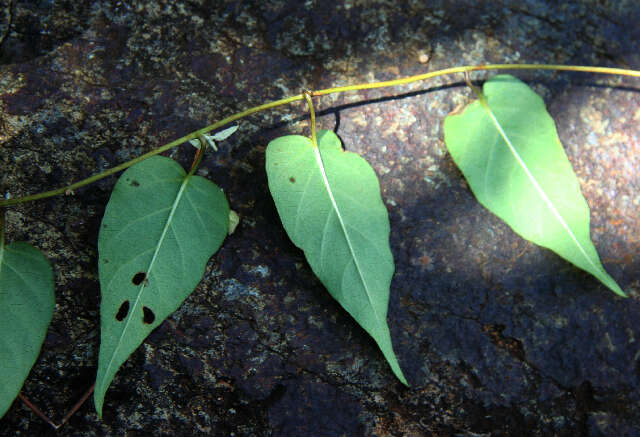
x: 26, y: 308
x: 509, y: 152
x: 159, y: 229
x: 329, y: 203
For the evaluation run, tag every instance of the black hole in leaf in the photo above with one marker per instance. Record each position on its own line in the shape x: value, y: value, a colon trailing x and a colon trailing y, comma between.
x: 122, y: 311
x: 135, y: 183
x: 292, y: 180
x: 138, y: 278
x: 148, y: 316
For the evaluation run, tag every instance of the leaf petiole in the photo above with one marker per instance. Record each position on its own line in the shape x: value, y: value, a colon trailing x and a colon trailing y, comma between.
x: 474, y: 88
x: 197, y: 159
x: 307, y: 96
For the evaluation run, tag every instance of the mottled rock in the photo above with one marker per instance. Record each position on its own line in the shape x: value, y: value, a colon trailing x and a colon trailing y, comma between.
x: 496, y: 336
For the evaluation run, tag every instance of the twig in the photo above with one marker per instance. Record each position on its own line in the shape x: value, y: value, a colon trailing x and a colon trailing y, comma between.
x: 36, y: 410
x: 78, y: 404
x: 67, y: 416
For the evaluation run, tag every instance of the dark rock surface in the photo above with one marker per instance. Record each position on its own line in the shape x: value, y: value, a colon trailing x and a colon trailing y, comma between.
x: 496, y: 336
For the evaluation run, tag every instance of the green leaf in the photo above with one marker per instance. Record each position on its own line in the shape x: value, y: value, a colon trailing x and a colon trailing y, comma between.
x: 329, y: 203
x: 159, y: 229
x: 508, y: 149
x: 26, y: 308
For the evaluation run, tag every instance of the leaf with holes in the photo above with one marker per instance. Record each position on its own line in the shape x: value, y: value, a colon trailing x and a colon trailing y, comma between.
x: 329, y: 203
x: 159, y: 229
x: 509, y: 151
x: 26, y: 308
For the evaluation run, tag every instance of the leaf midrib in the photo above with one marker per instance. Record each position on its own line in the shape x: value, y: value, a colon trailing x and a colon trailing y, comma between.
x: 537, y: 186
x: 344, y: 230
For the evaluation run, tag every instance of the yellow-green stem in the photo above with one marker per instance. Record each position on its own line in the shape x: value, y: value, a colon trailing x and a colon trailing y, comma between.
x: 469, y: 68
x: 357, y: 87
x: 168, y: 146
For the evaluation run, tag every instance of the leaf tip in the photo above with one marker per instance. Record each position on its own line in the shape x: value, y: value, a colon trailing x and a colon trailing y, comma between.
x: 394, y: 364
x: 403, y: 380
x: 611, y: 284
x: 619, y: 291
x: 98, y: 400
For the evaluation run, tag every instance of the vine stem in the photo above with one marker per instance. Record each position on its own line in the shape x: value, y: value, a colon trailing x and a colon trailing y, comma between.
x: 357, y: 87
x: 168, y: 146
x: 470, y: 68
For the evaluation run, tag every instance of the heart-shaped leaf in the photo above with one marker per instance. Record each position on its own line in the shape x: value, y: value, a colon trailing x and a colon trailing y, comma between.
x: 330, y: 205
x: 507, y: 147
x: 159, y: 229
x: 26, y: 308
